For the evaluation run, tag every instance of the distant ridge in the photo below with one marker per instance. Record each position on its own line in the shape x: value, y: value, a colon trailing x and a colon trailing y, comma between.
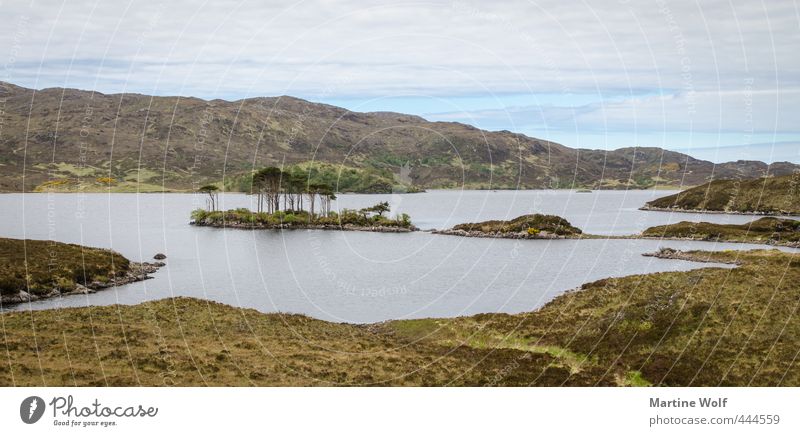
x: 55, y: 137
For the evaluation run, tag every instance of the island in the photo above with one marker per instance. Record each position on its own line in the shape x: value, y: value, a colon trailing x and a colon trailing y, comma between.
x: 31, y: 270
x: 767, y: 230
x: 764, y: 196
x: 702, y: 327
x: 370, y: 219
x: 287, y: 200
x: 533, y: 226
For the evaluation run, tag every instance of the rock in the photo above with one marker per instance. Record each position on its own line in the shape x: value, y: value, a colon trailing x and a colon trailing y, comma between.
x: 19, y: 297
x: 80, y: 290
x: 160, y: 256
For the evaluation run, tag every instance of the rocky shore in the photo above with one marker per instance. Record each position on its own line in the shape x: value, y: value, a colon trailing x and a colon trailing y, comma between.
x: 295, y: 226
x: 671, y: 253
x: 771, y: 242
x: 704, y: 211
x: 137, y: 271
x: 505, y: 235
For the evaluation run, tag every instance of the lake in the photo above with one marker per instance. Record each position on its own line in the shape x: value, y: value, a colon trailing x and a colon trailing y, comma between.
x: 358, y: 277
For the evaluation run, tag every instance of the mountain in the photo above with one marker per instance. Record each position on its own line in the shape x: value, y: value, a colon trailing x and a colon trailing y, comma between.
x: 773, y: 195
x: 66, y: 138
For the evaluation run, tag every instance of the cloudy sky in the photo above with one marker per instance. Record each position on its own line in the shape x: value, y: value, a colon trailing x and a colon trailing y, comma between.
x: 717, y: 79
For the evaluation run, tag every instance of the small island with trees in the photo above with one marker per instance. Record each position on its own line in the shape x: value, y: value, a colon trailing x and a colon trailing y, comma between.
x: 286, y: 200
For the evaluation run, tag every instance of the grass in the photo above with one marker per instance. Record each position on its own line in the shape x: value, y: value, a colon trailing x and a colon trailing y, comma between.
x: 39, y: 266
x: 708, y: 327
x: 764, y: 230
x: 772, y: 195
x: 532, y: 224
x: 635, y: 379
x: 65, y: 177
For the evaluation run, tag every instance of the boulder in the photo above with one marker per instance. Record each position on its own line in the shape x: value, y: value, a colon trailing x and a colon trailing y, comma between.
x: 160, y: 256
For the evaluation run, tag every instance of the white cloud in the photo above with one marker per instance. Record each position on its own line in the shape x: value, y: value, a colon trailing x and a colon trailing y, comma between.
x: 328, y: 50
x: 440, y: 48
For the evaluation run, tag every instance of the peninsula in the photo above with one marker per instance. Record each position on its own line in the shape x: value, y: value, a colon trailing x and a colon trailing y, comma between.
x: 32, y: 270
x: 764, y: 196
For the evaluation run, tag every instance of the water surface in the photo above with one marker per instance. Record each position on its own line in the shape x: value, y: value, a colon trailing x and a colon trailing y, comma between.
x: 358, y: 276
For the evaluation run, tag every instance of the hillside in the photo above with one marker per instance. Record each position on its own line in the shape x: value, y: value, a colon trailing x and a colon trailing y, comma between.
x: 67, y: 139
x: 772, y: 195
x: 703, y: 327
x: 767, y: 230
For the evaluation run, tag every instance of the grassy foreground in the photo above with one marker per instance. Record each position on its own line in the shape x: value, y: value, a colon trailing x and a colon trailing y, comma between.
x: 712, y: 326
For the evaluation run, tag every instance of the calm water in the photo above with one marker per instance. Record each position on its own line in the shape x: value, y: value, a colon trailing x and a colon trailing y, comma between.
x: 357, y: 276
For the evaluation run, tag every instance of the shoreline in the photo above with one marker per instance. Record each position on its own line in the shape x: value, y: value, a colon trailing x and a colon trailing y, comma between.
x: 427, y: 190
x: 571, y: 340
x: 137, y: 272
x: 716, y: 212
x: 507, y: 235
x: 327, y: 227
x: 674, y: 254
x: 517, y: 236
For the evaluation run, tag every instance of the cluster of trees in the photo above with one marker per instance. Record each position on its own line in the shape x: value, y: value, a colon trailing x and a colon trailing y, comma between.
x: 271, y: 185
x: 284, y: 195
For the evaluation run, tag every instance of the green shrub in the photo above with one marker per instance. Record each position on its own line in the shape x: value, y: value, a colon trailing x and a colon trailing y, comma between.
x: 199, y: 214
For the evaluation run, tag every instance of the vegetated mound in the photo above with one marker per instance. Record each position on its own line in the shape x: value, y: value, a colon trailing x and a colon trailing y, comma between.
x: 704, y: 327
x: 770, y: 195
x: 39, y: 266
x: 532, y: 224
x: 768, y: 229
x: 32, y: 269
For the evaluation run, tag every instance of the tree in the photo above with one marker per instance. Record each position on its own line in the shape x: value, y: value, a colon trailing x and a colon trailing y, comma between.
x: 313, y: 191
x: 327, y: 196
x: 380, y: 208
x: 212, y: 192
x: 267, y: 183
x: 258, y: 187
x: 295, y: 186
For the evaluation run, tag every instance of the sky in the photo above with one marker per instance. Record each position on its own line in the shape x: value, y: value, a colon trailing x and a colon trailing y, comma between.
x: 719, y: 80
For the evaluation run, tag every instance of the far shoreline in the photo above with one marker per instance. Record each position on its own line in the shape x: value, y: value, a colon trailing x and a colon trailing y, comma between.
x: 575, y: 190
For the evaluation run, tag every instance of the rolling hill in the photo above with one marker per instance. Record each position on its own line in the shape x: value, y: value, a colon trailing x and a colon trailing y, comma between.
x: 67, y: 139
x: 771, y: 195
